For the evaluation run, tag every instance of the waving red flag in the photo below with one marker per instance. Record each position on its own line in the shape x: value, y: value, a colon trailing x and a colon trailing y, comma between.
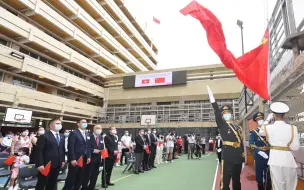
x: 104, y: 153
x: 251, y: 69
x: 80, y: 162
x: 47, y: 169
x: 10, y: 160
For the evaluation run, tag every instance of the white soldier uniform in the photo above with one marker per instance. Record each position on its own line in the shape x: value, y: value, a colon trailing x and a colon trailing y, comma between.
x: 283, y: 138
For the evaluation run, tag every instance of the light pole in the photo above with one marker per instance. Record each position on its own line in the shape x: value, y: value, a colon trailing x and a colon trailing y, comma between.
x: 240, y: 24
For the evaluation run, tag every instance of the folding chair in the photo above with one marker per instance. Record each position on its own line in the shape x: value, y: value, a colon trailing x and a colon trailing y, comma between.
x: 5, y: 170
x: 4, y: 155
x: 62, y: 173
x: 130, y: 161
x: 27, y: 177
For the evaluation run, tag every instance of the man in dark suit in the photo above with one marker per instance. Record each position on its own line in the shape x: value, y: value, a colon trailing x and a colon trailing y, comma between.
x: 92, y: 170
x: 50, y: 148
x: 112, y: 145
x: 147, y: 138
x: 78, y: 146
x: 218, y: 147
x: 139, y: 151
x: 153, y: 148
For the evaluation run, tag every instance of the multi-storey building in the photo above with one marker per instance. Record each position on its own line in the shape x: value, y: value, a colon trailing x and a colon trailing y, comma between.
x: 56, y: 54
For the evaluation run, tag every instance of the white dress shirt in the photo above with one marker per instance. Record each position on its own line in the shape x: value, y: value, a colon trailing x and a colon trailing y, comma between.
x: 279, y: 134
x: 83, y: 133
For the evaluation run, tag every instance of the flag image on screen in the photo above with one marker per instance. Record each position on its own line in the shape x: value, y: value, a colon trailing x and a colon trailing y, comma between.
x: 155, y: 79
x: 145, y: 81
x: 160, y: 80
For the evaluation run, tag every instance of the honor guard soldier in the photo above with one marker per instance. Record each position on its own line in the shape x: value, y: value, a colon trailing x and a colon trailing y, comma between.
x: 232, y: 149
x: 260, y: 149
x: 282, y: 138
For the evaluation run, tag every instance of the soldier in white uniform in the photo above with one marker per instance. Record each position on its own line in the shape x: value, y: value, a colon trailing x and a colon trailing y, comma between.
x: 283, y: 138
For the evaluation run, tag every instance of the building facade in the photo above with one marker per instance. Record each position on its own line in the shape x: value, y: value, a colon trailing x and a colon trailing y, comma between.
x: 55, y: 55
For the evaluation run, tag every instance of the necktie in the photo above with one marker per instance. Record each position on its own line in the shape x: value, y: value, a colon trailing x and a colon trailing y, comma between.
x: 97, y: 141
x: 57, y: 138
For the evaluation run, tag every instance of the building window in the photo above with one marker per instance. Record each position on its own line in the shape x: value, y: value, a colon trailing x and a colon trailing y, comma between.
x: 24, y: 83
x: 73, y: 72
x: 64, y: 94
x: 91, y: 103
x: 1, y: 76
x: 3, y: 42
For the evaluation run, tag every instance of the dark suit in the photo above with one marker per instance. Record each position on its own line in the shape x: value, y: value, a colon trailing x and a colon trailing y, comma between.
x: 48, y: 150
x: 112, y: 145
x: 92, y: 170
x: 139, y: 152
x: 77, y: 147
x: 153, y: 148
x: 217, y: 146
x: 146, y: 156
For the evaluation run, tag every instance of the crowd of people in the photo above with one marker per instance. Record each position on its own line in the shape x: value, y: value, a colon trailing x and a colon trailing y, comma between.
x: 72, y: 147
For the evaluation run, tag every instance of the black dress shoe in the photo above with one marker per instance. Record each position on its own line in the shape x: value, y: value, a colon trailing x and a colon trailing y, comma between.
x: 110, y: 184
x: 154, y: 167
x: 141, y: 171
x: 104, y: 186
x: 136, y: 173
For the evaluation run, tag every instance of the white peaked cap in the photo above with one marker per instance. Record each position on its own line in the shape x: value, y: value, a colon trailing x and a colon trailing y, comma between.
x: 279, y: 107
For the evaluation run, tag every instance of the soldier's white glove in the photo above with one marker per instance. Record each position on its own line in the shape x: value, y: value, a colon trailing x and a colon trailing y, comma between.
x: 263, y: 154
x: 211, y: 97
x: 243, y: 166
x: 269, y: 118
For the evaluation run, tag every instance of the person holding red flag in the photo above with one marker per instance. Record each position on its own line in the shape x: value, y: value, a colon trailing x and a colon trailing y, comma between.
x: 79, y: 150
x: 111, y: 144
x: 92, y: 171
x: 50, y: 148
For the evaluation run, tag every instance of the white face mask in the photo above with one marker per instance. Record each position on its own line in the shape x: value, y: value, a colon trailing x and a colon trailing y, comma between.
x: 114, y: 131
x: 25, y: 133
x: 58, y: 127
x: 98, y: 131
x: 227, y: 116
x: 20, y: 153
x: 127, y: 134
x: 261, y: 122
x: 149, y: 132
x: 154, y: 132
x: 142, y: 133
x: 41, y: 132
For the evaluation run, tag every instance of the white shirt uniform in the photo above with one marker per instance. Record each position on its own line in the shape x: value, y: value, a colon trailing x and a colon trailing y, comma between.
x: 283, y: 168
x: 279, y: 134
x: 126, y: 140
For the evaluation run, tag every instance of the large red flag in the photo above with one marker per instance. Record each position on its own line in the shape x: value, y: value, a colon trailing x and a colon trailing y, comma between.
x: 46, y: 169
x: 251, y: 69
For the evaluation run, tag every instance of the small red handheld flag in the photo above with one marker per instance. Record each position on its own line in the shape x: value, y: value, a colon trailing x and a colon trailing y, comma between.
x: 130, y: 149
x: 10, y: 160
x: 104, y: 153
x: 46, y: 169
x: 80, y: 162
x: 147, y: 150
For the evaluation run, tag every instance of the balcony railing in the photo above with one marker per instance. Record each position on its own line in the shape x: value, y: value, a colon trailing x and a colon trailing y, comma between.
x: 165, y: 113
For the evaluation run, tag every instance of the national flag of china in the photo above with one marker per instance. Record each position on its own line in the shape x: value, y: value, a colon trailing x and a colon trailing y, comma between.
x: 147, y: 149
x: 145, y: 81
x: 160, y: 80
x: 156, y: 20
x: 47, y: 169
x: 251, y: 69
x: 10, y: 160
x: 104, y: 153
x: 80, y: 162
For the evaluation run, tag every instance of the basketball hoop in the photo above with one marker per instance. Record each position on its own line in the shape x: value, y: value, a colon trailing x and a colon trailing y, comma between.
x: 148, y: 120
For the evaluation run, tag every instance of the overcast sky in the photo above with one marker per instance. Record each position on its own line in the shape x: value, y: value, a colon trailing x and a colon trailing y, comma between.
x: 181, y: 40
